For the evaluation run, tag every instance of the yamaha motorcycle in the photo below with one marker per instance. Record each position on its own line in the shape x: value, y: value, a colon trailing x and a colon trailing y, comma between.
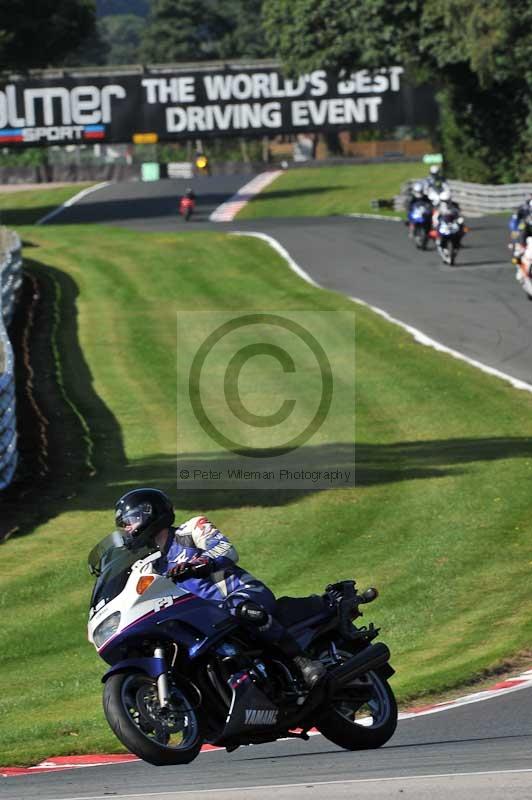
x: 449, y: 232
x: 184, y: 671
x: 419, y: 223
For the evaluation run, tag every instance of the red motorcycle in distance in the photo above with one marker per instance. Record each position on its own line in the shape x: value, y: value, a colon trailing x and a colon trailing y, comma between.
x: 187, y: 204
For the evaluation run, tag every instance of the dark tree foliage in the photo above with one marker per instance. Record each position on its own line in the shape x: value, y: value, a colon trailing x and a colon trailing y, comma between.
x: 479, y: 55
x: 122, y: 35
x: 246, y: 37
x: 195, y: 30
x: 139, y: 8
x: 42, y: 34
x: 182, y: 30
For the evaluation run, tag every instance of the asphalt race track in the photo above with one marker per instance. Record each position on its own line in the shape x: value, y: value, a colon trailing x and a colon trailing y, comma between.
x: 480, y: 749
x: 476, y: 307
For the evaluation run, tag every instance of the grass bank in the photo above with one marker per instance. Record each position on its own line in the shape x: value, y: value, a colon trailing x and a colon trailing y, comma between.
x: 316, y: 192
x: 26, y: 207
x: 439, y: 519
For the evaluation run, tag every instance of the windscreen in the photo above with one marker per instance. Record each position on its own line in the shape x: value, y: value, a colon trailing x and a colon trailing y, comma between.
x: 111, y: 561
x: 108, y: 549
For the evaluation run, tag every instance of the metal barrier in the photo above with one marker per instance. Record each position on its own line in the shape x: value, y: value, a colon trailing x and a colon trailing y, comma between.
x: 180, y: 169
x: 478, y: 198
x: 10, y: 283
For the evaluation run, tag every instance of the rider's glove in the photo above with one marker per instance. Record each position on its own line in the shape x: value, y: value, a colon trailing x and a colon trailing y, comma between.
x: 197, y: 567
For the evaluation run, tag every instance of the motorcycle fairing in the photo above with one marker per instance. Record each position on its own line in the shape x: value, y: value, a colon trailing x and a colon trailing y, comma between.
x: 197, y: 625
x: 420, y: 213
x: 250, y: 708
x: 150, y: 666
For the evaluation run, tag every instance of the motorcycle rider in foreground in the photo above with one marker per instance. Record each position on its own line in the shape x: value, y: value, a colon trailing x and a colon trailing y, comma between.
x: 204, y: 561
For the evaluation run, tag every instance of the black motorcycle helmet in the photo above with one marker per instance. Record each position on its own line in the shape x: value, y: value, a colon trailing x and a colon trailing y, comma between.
x: 142, y: 513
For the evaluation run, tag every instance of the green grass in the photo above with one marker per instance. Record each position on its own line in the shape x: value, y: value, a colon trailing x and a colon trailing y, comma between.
x: 439, y: 520
x: 316, y: 192
x: 27, y: 206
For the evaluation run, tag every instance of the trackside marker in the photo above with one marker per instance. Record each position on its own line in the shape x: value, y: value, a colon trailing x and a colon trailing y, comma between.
x: 228, y: 210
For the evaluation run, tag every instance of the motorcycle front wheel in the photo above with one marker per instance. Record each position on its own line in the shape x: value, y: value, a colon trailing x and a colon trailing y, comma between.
x: 451, y: 253
x: 161, y: 736
x: 420, y: 238
x: 361, y: 715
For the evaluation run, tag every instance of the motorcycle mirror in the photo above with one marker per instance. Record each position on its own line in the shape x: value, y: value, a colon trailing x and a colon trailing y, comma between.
x: 370, y: 594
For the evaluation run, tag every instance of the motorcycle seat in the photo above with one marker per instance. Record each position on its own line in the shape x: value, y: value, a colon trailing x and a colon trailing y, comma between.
x: 291, y: 610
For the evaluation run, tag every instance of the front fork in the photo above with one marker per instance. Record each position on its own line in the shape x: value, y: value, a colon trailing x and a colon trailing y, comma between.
x: 163, y: 690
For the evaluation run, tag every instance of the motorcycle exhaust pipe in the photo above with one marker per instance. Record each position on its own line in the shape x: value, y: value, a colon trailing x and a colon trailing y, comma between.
x: 372, y: 657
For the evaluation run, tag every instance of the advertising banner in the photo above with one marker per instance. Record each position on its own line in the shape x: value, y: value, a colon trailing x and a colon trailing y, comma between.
x: 205, y: 102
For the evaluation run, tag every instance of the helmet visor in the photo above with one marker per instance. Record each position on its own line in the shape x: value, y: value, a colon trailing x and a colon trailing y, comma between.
x: 134, y: 520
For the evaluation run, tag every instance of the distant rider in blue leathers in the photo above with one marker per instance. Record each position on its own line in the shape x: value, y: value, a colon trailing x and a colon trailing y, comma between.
x: 204, y: 562
x: 521, y: 221
x: 520, y: 230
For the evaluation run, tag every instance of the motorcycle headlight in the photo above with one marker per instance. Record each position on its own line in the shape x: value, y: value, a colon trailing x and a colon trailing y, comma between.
x: 106, y: 629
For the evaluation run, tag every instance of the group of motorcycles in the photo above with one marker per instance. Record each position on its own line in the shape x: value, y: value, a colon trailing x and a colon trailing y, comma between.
x: 432, y: 215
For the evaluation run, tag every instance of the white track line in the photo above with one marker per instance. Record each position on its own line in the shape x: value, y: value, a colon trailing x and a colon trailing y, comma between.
x: 311, y: 783
x: 376, y: 216
x: 71, y: 201
x: 418, y: 335
x: 522, y: 681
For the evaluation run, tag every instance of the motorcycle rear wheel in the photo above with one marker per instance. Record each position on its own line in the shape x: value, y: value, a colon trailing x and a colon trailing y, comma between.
x: 362, y: 715
x: 131, y: 707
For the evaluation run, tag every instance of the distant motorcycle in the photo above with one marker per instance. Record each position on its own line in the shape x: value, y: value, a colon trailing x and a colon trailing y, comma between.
x: 186, y: 207
x: 523, y: 261
x: 515, y: 237
x: 420, y: 223
x: 449, y: 231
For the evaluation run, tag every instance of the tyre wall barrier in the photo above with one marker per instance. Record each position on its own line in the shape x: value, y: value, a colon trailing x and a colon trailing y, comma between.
x: 478, y: 198
x: 10, y: 283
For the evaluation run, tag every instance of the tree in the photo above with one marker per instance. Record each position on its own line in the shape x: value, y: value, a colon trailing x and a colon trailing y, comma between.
x: 183, y: 30
x: 246, y: 37
x: 42, y: 34
x: 195, y: 30
x: 139, y: 8
x: 477, y: 54
x: 122, y: 34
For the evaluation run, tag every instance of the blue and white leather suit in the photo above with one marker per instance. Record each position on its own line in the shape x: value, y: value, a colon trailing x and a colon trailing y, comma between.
x: 228, y: 584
